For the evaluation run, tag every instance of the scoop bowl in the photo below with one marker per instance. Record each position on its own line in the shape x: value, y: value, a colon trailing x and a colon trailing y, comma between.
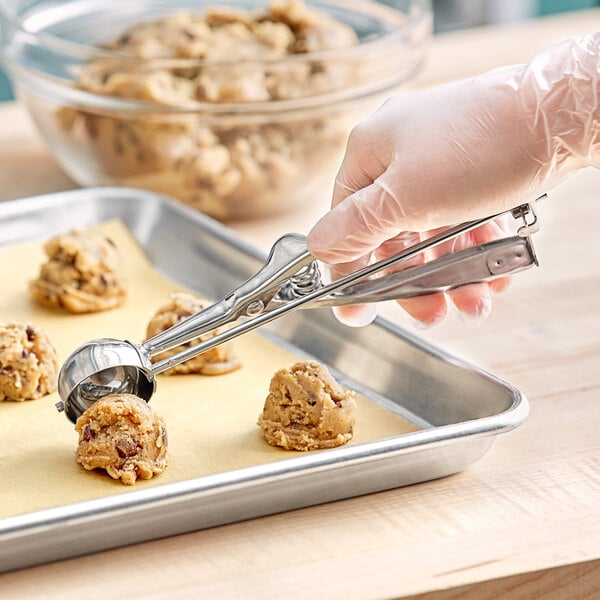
x: 101, y: 367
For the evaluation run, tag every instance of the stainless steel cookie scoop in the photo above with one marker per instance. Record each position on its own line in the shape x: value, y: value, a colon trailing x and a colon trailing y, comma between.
x: 290, y: 279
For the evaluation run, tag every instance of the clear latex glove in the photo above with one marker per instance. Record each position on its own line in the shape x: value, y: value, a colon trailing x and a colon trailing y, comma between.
x: 457, y: 152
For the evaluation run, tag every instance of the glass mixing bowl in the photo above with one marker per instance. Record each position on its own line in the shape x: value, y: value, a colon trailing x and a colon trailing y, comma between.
x: 233, y: 132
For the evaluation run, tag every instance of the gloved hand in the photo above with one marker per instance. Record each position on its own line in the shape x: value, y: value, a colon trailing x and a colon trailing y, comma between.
x: 457, y: 152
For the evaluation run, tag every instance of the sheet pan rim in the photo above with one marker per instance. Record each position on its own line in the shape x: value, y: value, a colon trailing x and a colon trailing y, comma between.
x: 375, y: 452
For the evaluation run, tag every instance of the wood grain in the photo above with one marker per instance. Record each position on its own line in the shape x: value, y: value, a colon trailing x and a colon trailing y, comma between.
x: 576, y: 582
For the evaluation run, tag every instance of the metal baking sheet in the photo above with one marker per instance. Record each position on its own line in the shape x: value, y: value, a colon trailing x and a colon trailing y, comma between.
x: 459, y: 407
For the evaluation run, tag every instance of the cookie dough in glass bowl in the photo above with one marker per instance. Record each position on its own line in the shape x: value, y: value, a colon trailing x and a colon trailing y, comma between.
x: 239, y: 109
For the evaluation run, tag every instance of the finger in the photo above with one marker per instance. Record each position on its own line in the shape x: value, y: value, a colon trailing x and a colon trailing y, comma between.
x: 397, y: 244
x: 361, y: 164
x: 500, y: 285
x: 358, y: 315
x: 476, y: 302
x: 356, y: 226
x: 427, y: 309
x: 472, y: 301
x: 494, y: 230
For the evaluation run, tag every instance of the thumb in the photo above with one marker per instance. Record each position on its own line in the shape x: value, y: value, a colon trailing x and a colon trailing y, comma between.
x: 356, y: 226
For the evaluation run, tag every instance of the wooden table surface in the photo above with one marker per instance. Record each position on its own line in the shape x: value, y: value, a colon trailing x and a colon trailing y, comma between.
x: 524, y: 521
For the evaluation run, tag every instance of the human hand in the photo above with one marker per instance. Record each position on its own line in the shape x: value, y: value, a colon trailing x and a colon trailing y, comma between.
x: 458, y: 152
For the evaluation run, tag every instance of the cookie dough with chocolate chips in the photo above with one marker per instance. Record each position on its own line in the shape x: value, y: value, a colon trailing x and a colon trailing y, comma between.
x: 83, y: 273
x: 228, y: 167
x: 28, y: 362
x: 215, y: 361
x: 307, y: 409
x: 121, y: 434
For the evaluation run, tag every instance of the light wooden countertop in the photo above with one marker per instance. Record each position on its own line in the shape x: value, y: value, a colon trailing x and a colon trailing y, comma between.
x: 523, y: 522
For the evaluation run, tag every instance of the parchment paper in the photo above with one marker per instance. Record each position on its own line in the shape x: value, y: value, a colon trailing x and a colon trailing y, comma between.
x: 211, y: 421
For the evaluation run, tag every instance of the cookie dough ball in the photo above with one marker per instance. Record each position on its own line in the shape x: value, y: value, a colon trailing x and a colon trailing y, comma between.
x: 28, y: 363
x: 307, y: 409
x: 216, y: 361
x: 122, y: 435
x: 83, y: 273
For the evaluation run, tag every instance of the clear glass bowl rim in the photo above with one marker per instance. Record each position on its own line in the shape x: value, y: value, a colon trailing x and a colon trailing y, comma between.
x: 86, y: 99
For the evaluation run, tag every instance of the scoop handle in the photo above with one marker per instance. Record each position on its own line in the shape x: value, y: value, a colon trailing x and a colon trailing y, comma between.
x: 475, y: 264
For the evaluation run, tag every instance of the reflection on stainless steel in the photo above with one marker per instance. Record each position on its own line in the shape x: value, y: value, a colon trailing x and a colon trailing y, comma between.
x: 99, y: 368
x: 289, y: 279
x: 460, y: 407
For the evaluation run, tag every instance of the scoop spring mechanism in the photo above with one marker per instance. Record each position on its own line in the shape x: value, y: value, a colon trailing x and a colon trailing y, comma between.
x: 290, y: 279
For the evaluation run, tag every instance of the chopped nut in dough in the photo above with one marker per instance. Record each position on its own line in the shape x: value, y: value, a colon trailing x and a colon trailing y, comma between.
x: 28, y: 362
x: 121, y: 434
x: 83, y: 273
x: 216, y: 361
x: 307, y: 409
